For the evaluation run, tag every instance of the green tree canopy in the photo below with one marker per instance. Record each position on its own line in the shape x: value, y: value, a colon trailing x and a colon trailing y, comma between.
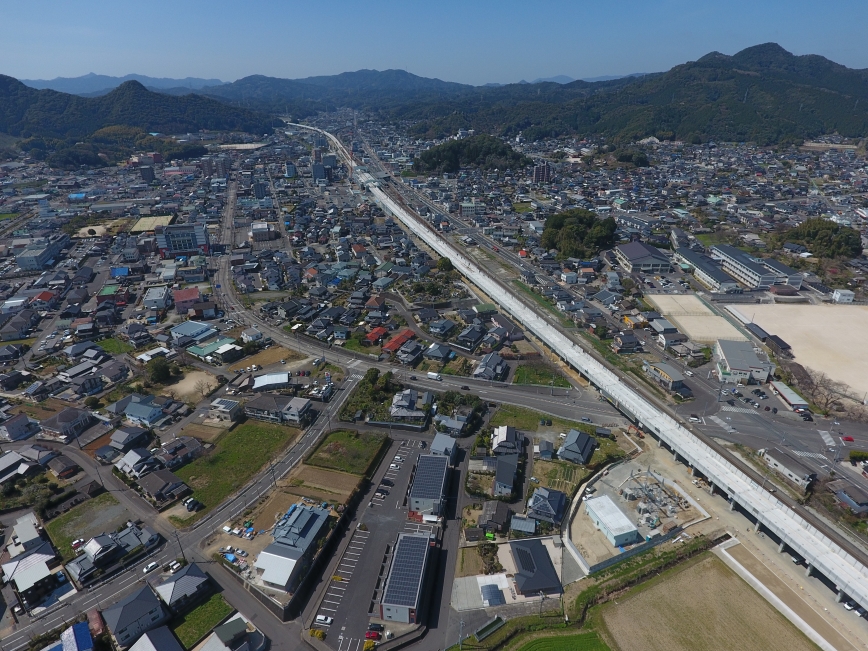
x: 444, y: 264
x: 824, y: 238
x: 578, y: 233
x: 159, y: 370
x: 485, y: 152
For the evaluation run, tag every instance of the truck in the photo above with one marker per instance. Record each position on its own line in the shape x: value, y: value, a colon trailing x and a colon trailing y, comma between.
x: 435, y: 376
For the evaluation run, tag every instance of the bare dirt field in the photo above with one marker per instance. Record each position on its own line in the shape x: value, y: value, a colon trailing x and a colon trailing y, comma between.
x: 320, y: 484
x: 694, y: 318
x: 186, y: 388
x: 469, y: 562
x: 266, y: 357
x: 203, y: 432
x: 822, y: 337
x: 703, y: 607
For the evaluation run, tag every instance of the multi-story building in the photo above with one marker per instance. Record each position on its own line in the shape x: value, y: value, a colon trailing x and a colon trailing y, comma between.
x: 638, y: 256
x: 744, y: 268
x: 182, y: 239
x: 542, y: 173
x: 427, y: 494
x: 707, y: 271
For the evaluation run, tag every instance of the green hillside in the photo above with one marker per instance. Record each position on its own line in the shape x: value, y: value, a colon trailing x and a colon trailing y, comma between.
x: 485, y: 152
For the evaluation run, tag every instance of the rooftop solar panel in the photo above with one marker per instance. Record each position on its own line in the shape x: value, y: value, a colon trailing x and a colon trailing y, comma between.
x: 430, y: 477
x: 408, y: 569
x: 492, y: 595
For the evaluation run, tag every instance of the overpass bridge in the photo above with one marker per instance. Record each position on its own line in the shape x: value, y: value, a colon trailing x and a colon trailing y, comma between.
x: 821, y: 553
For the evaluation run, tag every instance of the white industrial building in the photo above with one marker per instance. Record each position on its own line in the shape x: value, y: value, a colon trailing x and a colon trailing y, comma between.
x: 609, y: 519
x: 738, y: 362
x: 843, y: 296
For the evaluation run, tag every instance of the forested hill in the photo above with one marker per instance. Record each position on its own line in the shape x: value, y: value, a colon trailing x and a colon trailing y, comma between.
x: 485, y: 152
x: 762, y: 94
x: 27, y: 112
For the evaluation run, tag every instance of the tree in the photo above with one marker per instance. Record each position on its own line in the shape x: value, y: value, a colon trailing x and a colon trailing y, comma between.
x: 92, y: 402
x: 203, y: 386
x: 91, y: 231
x: 823, y: 391
x: 250, y: 348
x: 444, y: 264
x: 159, y: 370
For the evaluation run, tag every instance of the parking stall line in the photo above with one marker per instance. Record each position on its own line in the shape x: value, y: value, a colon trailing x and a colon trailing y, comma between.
x: 329, y: 601
x: 334, y: 610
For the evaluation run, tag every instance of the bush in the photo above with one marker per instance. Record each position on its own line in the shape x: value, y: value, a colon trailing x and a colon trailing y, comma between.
x: 858, y: 455
x: 317, y: 633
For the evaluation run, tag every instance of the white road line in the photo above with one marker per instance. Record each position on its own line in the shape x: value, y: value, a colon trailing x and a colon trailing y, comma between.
x: 329, y: 601
x: 336, y: 587
x: 334, y: 610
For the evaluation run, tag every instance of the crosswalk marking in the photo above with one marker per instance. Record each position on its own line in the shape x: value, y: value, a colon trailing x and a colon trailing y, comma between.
x: 810, y: 455
x: 827, y: 438
x: 738, y: 410
x: 722, y: 423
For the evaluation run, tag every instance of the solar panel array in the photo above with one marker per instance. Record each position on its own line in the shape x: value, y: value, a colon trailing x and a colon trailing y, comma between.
x: 525, y: 559
x: 408, y: 568
x: 492, y: 595
x: 430, y: 477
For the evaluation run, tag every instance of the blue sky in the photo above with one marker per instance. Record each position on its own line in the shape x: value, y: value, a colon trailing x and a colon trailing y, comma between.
x: 471, y: 41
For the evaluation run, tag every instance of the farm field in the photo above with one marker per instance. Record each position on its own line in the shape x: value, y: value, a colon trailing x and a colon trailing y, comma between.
x: 589, y: 641
x: 558, y: 475
x: 704, y: 607
x: 90, y: 518
x: 203, y: 432
x: 236, y: 457
x: 821, y: 337
x: 347, y: 451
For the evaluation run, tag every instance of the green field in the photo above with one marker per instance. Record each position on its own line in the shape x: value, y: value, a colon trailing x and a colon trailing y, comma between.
x: 522, y: 207
x: 8, y: 215
x: 579, y: 642
x: 527, y: 419
x: 80, y: 521
x: 196, y: 624
x: 347, y: 451
x: 115, y: 346
x: 236, y: 457
x: 539, y: 374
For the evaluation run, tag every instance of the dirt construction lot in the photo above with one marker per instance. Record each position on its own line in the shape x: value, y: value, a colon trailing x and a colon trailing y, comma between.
x: 266, y: 358
x: 822, y: 337
x: 694, y: 318
x: 704, y: 607
x: 186, y: 388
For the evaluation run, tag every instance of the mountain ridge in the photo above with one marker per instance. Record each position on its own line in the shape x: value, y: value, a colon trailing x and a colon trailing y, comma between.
x: 93, y: 83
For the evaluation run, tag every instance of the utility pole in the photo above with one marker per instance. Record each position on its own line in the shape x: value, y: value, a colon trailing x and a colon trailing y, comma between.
x: 180, y: 548
x: 271, y: 468
x: 460, y: 633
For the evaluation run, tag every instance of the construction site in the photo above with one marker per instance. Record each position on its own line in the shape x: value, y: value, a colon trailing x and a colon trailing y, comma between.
x: 630, y: 505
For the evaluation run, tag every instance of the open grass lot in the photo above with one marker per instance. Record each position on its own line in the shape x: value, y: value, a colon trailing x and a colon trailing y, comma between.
x: 347, y: 451
x: 704, y: 607
x: 522, y: 207
x: 266, y: 357
x: 193, y: 626
x: 527, y: 420
x: 356, y: 346
x: 469, y: 562
x: 115, y: 346
x: 101, y: 514
x: 8, y: 215
x: 236, y: 457
x: 589, y: 641
x: 539, y: 374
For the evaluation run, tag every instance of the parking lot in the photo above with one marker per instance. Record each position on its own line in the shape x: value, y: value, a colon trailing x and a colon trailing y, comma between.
x: 357, y: 581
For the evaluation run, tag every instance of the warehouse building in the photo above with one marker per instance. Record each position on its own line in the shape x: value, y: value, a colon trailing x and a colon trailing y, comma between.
x: 609, y: 519
x: 789, y: 466
x: 428, y: 487
x: 793, y: 399
x: 403, y: 593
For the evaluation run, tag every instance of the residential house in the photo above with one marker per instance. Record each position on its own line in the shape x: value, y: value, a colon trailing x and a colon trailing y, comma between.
x: 68, y: 424
x: 578, y: 447
x: 186, y: 299
x: 506, y: 439
x: 134, y: 615
x: 162, y: 485
x: 178, y: 451
x: 136, y: 463
x: 625, y: 342
x: 439, y: 353
x: 491, y: 367
x: 63, y: 467
x: 410, y: 405
x: 445, y: 445
x: 469, y: 338
x: 547, y: 505
x: 504, y: 474
x: 185, y: 587
x: 495, y: 516
x: 18, y: 427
